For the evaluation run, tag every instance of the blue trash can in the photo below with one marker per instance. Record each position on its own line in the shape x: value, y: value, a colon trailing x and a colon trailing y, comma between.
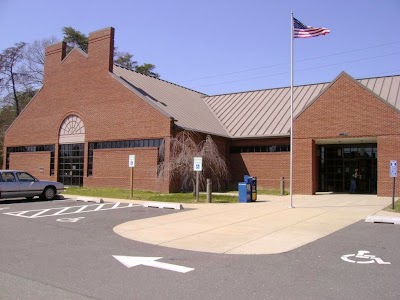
x: 244, y: 192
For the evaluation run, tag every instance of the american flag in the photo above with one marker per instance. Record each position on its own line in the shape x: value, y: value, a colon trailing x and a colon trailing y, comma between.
x: 302, y: 31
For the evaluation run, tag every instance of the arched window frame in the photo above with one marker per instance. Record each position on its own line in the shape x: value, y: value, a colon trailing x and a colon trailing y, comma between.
x: 72, y: 130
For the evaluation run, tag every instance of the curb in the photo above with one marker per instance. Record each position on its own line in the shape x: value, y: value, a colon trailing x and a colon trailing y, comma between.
x: 89, y: 199
x: 379, y: 219
x: 177, y: 206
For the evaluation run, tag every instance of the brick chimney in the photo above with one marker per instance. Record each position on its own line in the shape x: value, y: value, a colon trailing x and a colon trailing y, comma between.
x: 101, y: 48
x: 54, y: 54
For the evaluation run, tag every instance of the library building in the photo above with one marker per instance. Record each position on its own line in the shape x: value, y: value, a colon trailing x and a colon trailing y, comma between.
x: 91, y: 114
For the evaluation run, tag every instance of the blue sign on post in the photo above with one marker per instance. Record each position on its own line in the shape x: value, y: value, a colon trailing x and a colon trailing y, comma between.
x: 393, y: 174
x: 393, y: 168
x: 198, y: 164
x: 131, y: 161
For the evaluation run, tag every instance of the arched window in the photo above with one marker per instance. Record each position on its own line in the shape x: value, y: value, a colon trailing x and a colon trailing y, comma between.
x: 72, y: 130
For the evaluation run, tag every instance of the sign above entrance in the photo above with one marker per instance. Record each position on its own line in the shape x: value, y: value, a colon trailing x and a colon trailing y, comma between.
x: 393, y: 168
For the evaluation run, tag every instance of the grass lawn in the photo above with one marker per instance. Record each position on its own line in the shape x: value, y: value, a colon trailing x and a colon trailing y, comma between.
x: 396, y: 206
x: 265, y: 192
x: 271, y: 192
x: 148, y: 196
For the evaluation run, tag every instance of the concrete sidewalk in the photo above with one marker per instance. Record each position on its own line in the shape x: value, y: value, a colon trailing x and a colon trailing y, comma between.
x: 263, y: 227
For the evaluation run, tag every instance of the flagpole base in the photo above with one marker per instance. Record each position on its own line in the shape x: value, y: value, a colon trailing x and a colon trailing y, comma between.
x: 291, y: 206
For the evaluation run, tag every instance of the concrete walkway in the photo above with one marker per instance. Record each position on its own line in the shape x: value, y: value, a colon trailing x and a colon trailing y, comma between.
x: 263, y: 227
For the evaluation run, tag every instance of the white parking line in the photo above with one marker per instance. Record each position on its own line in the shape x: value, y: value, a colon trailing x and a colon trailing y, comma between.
x: 40, y: 213
x: 61, y: 211
x: 100, y: 207
x: 82, y: 208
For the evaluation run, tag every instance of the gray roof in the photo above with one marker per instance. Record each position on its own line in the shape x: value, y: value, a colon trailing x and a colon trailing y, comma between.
x: 263, y: 113
x: 388, y: 88
x: 186, y: 106
x: 266, y: 113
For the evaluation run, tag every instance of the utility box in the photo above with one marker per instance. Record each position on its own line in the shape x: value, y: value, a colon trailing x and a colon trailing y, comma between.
x: 244, y: 192
x: 252, y: 183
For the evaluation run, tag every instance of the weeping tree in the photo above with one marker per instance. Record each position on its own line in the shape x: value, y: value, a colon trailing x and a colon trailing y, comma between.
x: 180, y: 164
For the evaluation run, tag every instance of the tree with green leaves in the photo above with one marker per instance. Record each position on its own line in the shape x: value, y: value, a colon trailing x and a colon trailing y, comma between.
x: 125, y: 60
x: 147, y: 69
x: 75, y: 38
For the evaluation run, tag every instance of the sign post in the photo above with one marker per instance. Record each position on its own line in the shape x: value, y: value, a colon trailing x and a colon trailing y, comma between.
x: 131, y: 166
x: 197, y: 167
x: 393, y: 174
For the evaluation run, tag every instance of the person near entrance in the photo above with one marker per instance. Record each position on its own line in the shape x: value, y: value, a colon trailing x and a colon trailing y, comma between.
x: 353, y: 184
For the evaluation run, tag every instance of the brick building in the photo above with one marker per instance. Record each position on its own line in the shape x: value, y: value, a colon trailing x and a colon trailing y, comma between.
x: 90, y: 115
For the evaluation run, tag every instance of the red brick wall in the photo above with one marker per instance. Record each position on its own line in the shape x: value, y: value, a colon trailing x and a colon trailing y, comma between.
x: 76, y: 86
x: 268, y: 167
x: 111, y: 169
x: 36, y: 163
x: 304, y: 166
x: 388, y: 149
x: 346, y: 106
x: 81, y: 84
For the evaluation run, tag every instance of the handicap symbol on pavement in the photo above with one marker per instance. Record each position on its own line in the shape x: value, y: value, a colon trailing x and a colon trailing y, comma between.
x: 72, y: 220
x: 362, y: 258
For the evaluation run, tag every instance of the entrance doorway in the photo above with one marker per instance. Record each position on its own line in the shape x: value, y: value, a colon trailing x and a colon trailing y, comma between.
x: 71, y: 164
x: 71, y: 155
x: 337, y: 164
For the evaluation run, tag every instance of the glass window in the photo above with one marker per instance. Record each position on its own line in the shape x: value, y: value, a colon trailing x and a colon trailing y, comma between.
x: 25, y: 177
x: 8, y: 177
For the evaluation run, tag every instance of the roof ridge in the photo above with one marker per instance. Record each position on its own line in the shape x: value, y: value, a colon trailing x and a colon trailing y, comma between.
x: 376, y: 77
x: 300, y: 85
x: 166, y: 81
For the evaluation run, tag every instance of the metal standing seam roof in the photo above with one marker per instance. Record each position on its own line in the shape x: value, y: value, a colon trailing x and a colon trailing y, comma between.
x: 261, y: 113
x: 266, y: 113
x: 186, y: 106
x: 388, y: 88
x: 252, y: 114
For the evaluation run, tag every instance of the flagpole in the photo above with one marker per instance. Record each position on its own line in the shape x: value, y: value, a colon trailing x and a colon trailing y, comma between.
x: 291, y: 111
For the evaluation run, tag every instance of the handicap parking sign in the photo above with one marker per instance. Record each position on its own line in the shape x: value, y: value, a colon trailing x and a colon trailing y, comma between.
x: 393, y: 168
x: 197, y: 164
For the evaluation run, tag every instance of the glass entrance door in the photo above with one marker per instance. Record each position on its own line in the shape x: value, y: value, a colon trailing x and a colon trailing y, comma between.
x: 71, y: 164
x: 339, y: 162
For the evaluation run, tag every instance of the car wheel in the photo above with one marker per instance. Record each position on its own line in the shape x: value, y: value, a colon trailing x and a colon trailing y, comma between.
x: 49, y: 193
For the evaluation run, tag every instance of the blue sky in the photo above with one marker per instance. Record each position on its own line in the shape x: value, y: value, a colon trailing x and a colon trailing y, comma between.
x: 221, y: 46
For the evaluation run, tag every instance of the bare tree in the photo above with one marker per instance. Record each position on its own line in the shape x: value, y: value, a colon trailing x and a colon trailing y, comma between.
x: 13, y: 77
x: 180, y: 164
x: 34, y: 59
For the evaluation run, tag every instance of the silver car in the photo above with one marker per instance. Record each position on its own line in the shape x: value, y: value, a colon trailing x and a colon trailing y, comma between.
x: 15, y: 183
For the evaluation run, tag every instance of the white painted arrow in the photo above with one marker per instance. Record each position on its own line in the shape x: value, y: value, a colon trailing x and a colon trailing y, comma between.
x: 133, y: 261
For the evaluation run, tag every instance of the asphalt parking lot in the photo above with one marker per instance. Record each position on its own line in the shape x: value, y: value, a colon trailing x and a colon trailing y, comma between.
x: 68, y: 250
